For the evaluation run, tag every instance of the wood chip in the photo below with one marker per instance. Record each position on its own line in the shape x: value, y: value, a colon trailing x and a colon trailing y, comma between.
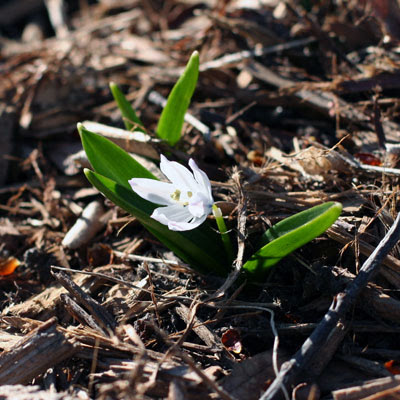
x: 44, y: 347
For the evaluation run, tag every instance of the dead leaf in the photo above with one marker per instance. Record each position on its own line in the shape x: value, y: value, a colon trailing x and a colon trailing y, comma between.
x: 8, y: 266
x: 251, y: 377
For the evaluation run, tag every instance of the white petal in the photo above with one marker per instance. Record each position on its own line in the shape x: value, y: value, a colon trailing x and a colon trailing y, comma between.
x: 202, y: 179
x: 186, y: 226
x: 197, y: 209
x: 199, y: 205
x: 153, y: 190
x: 179, y: 175
x: 176, y: 213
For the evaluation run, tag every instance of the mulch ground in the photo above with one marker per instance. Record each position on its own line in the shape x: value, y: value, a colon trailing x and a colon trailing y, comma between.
x: 297, y: 103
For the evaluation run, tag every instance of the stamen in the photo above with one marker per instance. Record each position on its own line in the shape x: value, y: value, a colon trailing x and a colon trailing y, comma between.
x: 189, y: 194
x: 176, y: 195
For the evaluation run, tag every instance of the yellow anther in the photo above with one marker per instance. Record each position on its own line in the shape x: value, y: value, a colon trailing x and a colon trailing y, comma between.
x: 189, y: 194
x: 176, y: 195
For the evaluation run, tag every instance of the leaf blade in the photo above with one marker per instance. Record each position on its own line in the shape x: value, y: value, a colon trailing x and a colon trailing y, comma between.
x: 131, y: 120
x: 171, y: 120
x: 290, y: 234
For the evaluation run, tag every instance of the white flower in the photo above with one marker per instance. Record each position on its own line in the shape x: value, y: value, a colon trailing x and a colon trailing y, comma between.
x: 188, y: 198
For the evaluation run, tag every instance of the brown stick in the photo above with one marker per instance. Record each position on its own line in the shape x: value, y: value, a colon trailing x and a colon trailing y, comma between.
x: 77, y: 312
x: 368, y: 388
x: 99, y: 313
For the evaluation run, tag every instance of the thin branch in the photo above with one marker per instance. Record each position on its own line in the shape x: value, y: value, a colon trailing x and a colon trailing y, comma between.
x: 241, y: 227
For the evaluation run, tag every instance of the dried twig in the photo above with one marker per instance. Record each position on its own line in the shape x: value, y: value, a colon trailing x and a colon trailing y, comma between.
x: 235, y: 58
x: 188, y: 315
x: 378, y: 387
x: 133, y: 142
x: 77, y: 312
x: 57, y: 15
x: 241, y: 227
x: 99, y: 313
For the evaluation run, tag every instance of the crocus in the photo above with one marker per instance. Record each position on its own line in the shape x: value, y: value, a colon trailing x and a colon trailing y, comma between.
x: 187, y: 197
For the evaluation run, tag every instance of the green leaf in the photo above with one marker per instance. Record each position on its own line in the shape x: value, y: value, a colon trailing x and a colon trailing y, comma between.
x: 110, y: 160
x: 198, y: 247
x: 171, y: 121
x: 290, y: 234
x: 131, y: 120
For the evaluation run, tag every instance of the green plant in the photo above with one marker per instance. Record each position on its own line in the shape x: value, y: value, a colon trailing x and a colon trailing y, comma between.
x: 290, y: 234
x: 113, y: 168
x: 186, y: 200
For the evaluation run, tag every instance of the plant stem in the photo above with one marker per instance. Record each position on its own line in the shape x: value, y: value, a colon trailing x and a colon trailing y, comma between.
x: 226, y: 240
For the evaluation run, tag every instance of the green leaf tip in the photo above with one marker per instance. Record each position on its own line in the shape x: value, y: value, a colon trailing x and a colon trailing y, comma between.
x: 172, y: 117
x: 131, y: 120
x: 195, y: 54
x: 289, y: 234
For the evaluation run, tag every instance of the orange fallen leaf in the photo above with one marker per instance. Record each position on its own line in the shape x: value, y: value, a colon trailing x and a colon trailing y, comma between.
x: 369, y: 159
x: 393, y: 367
x: 8, y: 266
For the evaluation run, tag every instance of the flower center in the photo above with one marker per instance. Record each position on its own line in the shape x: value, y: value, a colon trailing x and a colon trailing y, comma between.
x: 176, y: 196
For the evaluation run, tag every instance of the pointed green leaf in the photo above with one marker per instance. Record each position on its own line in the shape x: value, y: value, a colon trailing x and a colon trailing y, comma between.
x: 131, y: 120
x: 171, y: 121
x: 290, y: 234
x: 198, y: 247
x: 110, y: 160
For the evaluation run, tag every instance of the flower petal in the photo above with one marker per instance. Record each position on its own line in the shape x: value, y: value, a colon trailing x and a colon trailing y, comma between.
x: 176, y: 213
x: 179, y: 175
x: 202, y: 179
x: 199, y: 205
x: 153, y: 190
x: 186, y: 226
